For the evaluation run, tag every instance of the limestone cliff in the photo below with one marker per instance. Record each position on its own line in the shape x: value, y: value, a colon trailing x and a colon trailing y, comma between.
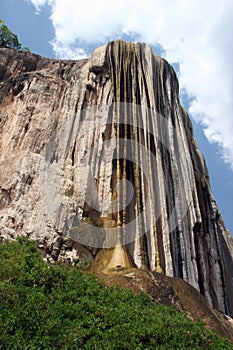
x: 98, y: 161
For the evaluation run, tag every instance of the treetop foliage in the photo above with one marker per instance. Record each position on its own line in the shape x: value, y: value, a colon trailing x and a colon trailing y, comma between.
x: 9, y: 39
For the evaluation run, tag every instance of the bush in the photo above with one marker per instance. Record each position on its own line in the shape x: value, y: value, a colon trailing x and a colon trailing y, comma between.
x: 46, y: 306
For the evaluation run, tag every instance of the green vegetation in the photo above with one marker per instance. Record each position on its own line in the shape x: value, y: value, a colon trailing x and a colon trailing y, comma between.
x: 9, y: 39
x: 45, y: 306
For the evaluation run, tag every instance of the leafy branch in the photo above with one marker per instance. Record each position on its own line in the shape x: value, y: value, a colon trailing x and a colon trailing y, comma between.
x: 9, y: 39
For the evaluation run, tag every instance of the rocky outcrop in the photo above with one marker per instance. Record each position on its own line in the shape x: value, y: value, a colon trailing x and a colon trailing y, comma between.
x: 171, y: 291
x: 99, y: 154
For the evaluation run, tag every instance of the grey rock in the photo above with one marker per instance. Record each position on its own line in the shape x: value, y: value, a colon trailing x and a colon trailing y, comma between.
x: 105, y: 142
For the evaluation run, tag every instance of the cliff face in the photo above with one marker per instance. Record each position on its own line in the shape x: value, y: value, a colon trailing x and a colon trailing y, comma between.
x: 99, y: 153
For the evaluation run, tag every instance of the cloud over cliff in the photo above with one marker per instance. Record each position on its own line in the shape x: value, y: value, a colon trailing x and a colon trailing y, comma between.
x: 195, y: 34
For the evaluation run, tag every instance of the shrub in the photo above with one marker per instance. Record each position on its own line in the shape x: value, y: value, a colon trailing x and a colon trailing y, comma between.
x: 46, y: 306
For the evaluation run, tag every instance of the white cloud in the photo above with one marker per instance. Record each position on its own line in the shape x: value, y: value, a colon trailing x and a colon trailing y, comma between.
x: 195, y: 33
x: 39, y: 3
x: 68, y: 51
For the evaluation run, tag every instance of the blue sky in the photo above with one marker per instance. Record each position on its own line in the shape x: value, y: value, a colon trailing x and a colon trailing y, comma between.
x: 198, y: 42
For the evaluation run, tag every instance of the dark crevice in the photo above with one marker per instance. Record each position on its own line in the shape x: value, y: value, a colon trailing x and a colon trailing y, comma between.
x: 197, y: 233
x: 17, y: 89
x: 73, y: 154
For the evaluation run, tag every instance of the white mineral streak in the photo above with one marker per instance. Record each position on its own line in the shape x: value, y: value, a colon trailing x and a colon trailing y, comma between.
x: 104, y: 142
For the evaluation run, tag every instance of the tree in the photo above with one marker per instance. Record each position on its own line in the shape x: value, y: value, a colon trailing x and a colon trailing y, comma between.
x: 9, y: 39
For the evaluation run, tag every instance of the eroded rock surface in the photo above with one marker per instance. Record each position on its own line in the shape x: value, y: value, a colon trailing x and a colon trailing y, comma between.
x: 171, y: 291
x: 99, y: 153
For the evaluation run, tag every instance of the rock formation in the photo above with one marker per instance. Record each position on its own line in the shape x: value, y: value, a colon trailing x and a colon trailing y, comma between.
x: 98, y: 159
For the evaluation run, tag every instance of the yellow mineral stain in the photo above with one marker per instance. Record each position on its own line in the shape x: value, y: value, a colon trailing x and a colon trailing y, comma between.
x: 119, y: 258
x: 108, y: 260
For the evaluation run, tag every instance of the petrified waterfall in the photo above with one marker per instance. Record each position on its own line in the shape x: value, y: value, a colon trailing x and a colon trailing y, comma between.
x: 98, y: 161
